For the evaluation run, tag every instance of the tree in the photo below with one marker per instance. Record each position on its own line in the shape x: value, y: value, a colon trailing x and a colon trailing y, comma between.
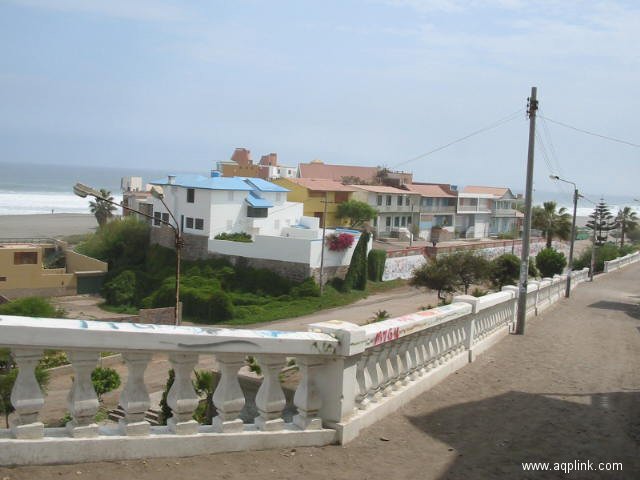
x: 358, y: 213
x: 102, y: 209
x: 550, y: 262
x: 205, y: 385
x: 602, y: 221
x: 468, y: 267
x: 104, y: 380
x: 505, y: 270
x: 627, y: 220
x: 437, y: 275
x: 552, y: 223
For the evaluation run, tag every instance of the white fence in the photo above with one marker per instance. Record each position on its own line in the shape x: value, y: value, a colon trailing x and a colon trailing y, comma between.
x: 350, y: 377
x: 620, y: 262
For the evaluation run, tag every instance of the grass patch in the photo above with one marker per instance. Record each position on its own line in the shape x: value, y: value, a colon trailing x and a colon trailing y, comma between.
x: 290, y: 307
x: 126, y: 309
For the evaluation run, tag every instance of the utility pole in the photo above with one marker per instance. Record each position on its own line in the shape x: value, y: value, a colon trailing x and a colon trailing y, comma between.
x: 593, y: 247
x: 573, y: 239
x: 526, y: 234
x: 324, y: 231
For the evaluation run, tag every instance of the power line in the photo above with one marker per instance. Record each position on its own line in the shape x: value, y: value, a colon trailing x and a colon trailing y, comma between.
x: 592, y: 133
x: 552, y: 148
x: 495, y: 124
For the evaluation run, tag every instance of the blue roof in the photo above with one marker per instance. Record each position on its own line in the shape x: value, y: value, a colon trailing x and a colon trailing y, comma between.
x: 209, y: 183
x: 265, y: 186
x: 256, y: 201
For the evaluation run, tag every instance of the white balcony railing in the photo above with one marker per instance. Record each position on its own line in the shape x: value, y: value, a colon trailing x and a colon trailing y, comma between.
x: 350, y: 377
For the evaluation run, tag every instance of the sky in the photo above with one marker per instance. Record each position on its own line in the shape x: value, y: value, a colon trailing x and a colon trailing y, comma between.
x: 180, y: 84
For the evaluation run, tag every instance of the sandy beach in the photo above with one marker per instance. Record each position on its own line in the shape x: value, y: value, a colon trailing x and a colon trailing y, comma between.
x: 46, y: 225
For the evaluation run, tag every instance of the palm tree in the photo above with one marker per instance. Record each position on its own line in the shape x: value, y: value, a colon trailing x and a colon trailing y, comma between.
x: 552, y: 223
x: 102, y: 210
x: 627, y: 220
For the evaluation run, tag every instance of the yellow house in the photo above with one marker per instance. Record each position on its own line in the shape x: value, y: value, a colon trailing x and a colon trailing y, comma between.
x: 23, y: 272
x: 312, y: 193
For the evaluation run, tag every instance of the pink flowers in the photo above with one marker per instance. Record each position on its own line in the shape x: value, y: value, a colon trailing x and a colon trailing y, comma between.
x: 339, y: 242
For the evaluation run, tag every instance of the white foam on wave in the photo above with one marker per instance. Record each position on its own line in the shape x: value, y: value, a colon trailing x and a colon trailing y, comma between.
x: 27, y: 203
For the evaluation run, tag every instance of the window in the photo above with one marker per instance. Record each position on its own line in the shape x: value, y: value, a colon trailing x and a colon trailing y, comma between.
x: 191, y: 195
x: 189, y: 222
x: 404, y: 221
x: 3, y: 279
x: 25, y: 258
x: 396, y: 222
x: 253, y: 212
x: 379, y: 200
x: 165, y: 218
x: 156, y: 218
x: 400, y: 200
x: 388, y: 221
x: 389, y: 200
x: 408, y: 220
x: 199, y: 224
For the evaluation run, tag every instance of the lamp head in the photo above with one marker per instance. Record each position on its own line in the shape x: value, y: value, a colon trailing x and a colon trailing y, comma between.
x: 157, y: 192
x: 554, y: 177
x: 83, y: 191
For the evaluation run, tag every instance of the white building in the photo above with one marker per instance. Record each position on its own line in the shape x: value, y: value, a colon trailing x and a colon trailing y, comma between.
x: 209, y: 206
x: 485, y: 211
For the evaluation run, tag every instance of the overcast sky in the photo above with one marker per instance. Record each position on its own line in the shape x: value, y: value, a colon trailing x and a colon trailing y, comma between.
x: 179, y: 84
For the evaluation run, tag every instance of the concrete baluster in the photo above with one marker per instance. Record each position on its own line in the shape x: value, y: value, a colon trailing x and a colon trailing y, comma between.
x: 307, y: 399
x: 26, y: 396
x: 82, y: 401
x: 373, y: 369
x: 413, y: 358
x: 270, y: 399
x: 364, y: 381
x: 134, y: 399
x: 404, y: 362
x: 228, y: 398
x: 182, y: 398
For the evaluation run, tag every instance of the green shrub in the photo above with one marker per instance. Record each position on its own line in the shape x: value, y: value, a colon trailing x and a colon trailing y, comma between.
x: 31, y: 307
x: 121, y: 290
x: 165, y: 410
x: 380, y: 316
x: 550, y: 262
x: 234, y: 237
x: 357, y: 274
x: 104, y: 380
x: 308, y: 288
x: 604, y: 253
x: 626, y: 249
x: 376, y: 261
x: 533, y: 269
x: 504, y: 270
x: 478, y: 292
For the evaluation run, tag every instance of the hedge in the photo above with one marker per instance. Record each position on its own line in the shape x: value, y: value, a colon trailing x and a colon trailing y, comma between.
x: 376, y: 261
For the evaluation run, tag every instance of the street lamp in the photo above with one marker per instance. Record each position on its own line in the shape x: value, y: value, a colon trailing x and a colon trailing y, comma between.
x: 84, y: 191
x: 573, y: 229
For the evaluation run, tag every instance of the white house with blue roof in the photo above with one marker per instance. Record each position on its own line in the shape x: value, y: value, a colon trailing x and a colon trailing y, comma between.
x: 209, y: 206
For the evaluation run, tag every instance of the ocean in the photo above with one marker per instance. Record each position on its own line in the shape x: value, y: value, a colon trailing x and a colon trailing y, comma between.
x: 31, y: 189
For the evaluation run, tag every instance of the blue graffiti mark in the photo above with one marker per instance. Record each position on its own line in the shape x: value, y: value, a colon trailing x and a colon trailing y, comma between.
x: 83, y: 324
x: 217, y: 344
x: 142, y: 326
x: 114, y: 326
x: 270, y: 333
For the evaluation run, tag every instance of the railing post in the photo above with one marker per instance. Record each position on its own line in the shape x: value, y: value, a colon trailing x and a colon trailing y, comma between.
x: 182, y: 398
x: 470, y: 328
x: 307, y: 399
x: 336, y: 379
x: 26, y: 396
x: 82, y: 400
x: 270, y: 399
x: 134, y: 399
x: 228, y: 397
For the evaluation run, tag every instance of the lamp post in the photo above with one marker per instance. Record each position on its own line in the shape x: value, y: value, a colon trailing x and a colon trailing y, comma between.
x: 84, y: 191
x: 573, y: 229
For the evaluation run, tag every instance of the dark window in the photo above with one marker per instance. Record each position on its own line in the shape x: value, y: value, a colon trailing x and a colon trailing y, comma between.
x: 3, y: 279
x: 388, y: 221
x: 199, y: 224
x: 156, y: 218
x: 400, y: 200
x: 191, y: 195
x: 408, y: 220
x: 375, y: 221
x: 396, y: 222
x: 404, y: 221
x: 25, y: 258
x: 379, y: 200
x: 388, y: 199
x: 189, y: 222
x: 253, y: 212
x: 165, y: 218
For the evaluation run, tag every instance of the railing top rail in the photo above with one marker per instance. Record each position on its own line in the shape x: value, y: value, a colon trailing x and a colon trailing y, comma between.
x: 105, y: 336
x: 394, y: 328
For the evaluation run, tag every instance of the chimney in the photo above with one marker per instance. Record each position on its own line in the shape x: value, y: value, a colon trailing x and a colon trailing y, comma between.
x: 242, y: 157
x: 171, y: 180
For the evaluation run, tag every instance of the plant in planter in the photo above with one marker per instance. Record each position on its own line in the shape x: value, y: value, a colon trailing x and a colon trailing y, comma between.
x: 339, y: 242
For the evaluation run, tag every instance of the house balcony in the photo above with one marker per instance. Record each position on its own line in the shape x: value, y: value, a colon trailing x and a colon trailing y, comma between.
x: 438, y: 210
x: 504, y: 212
x: 473, y: 209
x: 395, y: 208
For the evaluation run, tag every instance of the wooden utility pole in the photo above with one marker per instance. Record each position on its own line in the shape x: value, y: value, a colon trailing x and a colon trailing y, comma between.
x: 526, y: 233
x: 324, y: 231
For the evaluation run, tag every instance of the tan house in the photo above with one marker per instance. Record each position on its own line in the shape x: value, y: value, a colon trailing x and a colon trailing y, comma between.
x: 24, y: 270
x: 339, y: 173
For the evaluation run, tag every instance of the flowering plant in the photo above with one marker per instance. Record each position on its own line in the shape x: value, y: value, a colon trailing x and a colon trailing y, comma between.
x: 340, y: 242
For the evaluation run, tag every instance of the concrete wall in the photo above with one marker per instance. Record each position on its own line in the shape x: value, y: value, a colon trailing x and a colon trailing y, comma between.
x: 77, y: 262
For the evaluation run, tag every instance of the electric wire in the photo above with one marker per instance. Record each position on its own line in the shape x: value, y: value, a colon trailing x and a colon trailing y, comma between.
x: 491, y: 126
x: 606, y: 137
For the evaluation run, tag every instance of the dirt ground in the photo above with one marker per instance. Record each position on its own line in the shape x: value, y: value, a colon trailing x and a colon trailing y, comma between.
x: 567, y: 390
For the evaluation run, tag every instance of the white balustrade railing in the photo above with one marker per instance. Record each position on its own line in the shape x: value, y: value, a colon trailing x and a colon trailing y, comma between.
x: 611, y: 265
x: 350, y: 376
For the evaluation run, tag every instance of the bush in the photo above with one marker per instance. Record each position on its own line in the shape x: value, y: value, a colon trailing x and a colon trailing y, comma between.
x: 533, y: 269
x: 308, y: 288
x: 604, y: 253
x: 339, y: 242
x: 165, y: 410
x: 376, y: 261
x: 121, y: 290
x: 31, y: 307
x: 550, y: 262
x: 104, y: 380
x: 504, y: 270
x: 357, y: 274
x: 234, y: 237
